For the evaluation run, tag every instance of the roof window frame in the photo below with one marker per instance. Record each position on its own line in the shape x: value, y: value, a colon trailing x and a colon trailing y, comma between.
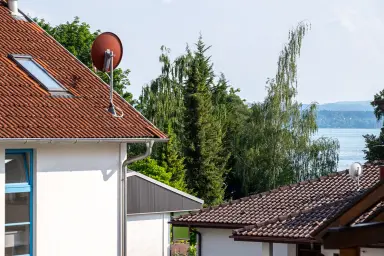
x: 14, y: 58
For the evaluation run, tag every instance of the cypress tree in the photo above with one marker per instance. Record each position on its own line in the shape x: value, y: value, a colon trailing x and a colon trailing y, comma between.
x: 203, y: 139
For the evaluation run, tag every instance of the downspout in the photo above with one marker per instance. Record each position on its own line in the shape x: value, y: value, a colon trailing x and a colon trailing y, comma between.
x: 123, y: 194
x: 199, y: 245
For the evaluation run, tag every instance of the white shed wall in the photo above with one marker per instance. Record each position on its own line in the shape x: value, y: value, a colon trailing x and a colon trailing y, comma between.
x: 284, y: 249
x: 363, y: 252
x: 2, y: 199
x: 371, y: 252
x: 148, y: 235
x: 216, y: 242
x: 328, y: 252
x: 75, y: 196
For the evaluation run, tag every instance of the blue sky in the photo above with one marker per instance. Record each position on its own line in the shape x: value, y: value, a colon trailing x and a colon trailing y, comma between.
x: 342, y: 56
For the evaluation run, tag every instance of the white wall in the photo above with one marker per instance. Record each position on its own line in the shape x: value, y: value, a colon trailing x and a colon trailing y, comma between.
x: 328, y: 252
x: 148, y: 235
x: 284, y: 249
x: 216, y: 242
x: 76, y: 198
x: 363, y: 252
x: 371, y: 252
x: 2, y: 200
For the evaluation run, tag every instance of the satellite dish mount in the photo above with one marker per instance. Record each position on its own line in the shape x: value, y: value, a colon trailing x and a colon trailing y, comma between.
x: 108, y: 65
x: 107, y: 52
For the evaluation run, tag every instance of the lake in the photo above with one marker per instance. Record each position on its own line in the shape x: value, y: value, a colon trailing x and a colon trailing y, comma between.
x: 351, y: 143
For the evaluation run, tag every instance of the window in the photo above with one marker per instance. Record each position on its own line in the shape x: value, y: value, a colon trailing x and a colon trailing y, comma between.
x: 18, y: 202
x: 38, y: 73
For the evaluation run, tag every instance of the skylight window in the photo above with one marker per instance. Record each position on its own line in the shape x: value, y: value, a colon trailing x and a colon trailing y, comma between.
x: 38, y: 73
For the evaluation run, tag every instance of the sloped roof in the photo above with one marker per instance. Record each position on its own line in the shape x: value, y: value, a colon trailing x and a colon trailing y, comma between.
x: 293, y: 211
x: 304, y: 224
x: 132, y: 173
x: 29, y: 111
x: 370, y: 214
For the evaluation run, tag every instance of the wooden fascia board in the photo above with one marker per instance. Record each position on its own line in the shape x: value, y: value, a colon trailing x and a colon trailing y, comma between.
x: 351, y: 213
x: 356, y: 236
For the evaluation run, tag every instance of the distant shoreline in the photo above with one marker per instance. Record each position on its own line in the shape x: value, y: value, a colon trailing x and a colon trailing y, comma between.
x: 349, y: 128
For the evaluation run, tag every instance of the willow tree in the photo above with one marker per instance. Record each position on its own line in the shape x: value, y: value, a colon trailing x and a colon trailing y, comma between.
x: 276, y: 146
x: 162, y: 102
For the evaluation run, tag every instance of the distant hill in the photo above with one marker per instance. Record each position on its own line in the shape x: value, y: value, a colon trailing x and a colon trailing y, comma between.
x: 345, y: 106
x: 346, y: 114
x: 347, y: 119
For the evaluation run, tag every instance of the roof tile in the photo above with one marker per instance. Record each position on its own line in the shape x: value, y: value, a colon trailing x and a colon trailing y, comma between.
x: 295, y: 211
x: 29, y: 111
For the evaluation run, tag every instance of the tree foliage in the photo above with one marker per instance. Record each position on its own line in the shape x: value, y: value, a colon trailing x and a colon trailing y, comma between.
x: 150, y: 168
x: 205, y: 159
x: 374, y: 145
x: 77, y: 38
x: 275, y: 146
x: 219, y: 147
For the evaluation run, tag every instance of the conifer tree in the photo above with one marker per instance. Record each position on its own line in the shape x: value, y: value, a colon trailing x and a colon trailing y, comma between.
x: 203, y: 137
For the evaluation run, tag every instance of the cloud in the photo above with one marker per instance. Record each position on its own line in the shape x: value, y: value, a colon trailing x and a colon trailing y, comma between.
x: 358, y: 16
x: 167, y: 1
x: 363, y: 22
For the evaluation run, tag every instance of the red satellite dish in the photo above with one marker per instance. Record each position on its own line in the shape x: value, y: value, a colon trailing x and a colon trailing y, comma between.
x: 106, y: 41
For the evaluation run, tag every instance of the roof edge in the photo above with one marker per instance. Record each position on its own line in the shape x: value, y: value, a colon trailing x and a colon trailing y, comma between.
x: 206, y: 225
x: 273, y: 239
x: 78, y: 140
x: 174, y: 190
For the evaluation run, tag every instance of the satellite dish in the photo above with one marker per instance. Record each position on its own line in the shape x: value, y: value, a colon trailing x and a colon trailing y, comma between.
x: 356, y: 170
x: 104, y: 42
x: 106, y: 53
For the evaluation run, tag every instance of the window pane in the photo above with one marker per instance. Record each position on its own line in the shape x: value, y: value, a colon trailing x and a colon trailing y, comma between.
x: 39, y: 74
x: 17, y: 240
x: 16, y: 208
x: 15, y: 168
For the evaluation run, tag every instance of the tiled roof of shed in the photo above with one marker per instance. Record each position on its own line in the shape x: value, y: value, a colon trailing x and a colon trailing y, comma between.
x: 29, y: 111
x: 370, y: 214
x: 293, y: 211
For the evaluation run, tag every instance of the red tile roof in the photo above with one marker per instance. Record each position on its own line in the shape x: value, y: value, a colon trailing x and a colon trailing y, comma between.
x: 293, y: 211
x: 370, y: 214
x: 29, y: 111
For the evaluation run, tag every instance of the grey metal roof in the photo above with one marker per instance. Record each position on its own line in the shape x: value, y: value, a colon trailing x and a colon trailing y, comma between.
x: 146, y: 195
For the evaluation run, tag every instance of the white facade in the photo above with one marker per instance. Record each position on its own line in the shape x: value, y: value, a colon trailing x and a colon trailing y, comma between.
x: 216, y: 242
x: 363, y: 252
x: 76, y: 202
x: 148, y: 234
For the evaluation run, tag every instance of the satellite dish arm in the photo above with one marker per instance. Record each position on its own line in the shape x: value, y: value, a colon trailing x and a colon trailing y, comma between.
x: 111, y: 79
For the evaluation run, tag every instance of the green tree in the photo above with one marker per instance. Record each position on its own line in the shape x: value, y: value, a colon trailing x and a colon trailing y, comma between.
x: 232, y: 112
x: 77, y: 38
x: 205, y: 162
x: 275, y: 146
x: 374, y: 145
x: 162, y: 103
x: 173, y: 162
x: 151, y: 168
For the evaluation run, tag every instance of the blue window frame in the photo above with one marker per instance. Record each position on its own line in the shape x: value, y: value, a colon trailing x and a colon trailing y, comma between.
x: 18, y: 202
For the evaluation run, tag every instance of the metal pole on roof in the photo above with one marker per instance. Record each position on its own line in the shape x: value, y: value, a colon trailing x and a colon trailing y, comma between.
x: 109, y: 62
